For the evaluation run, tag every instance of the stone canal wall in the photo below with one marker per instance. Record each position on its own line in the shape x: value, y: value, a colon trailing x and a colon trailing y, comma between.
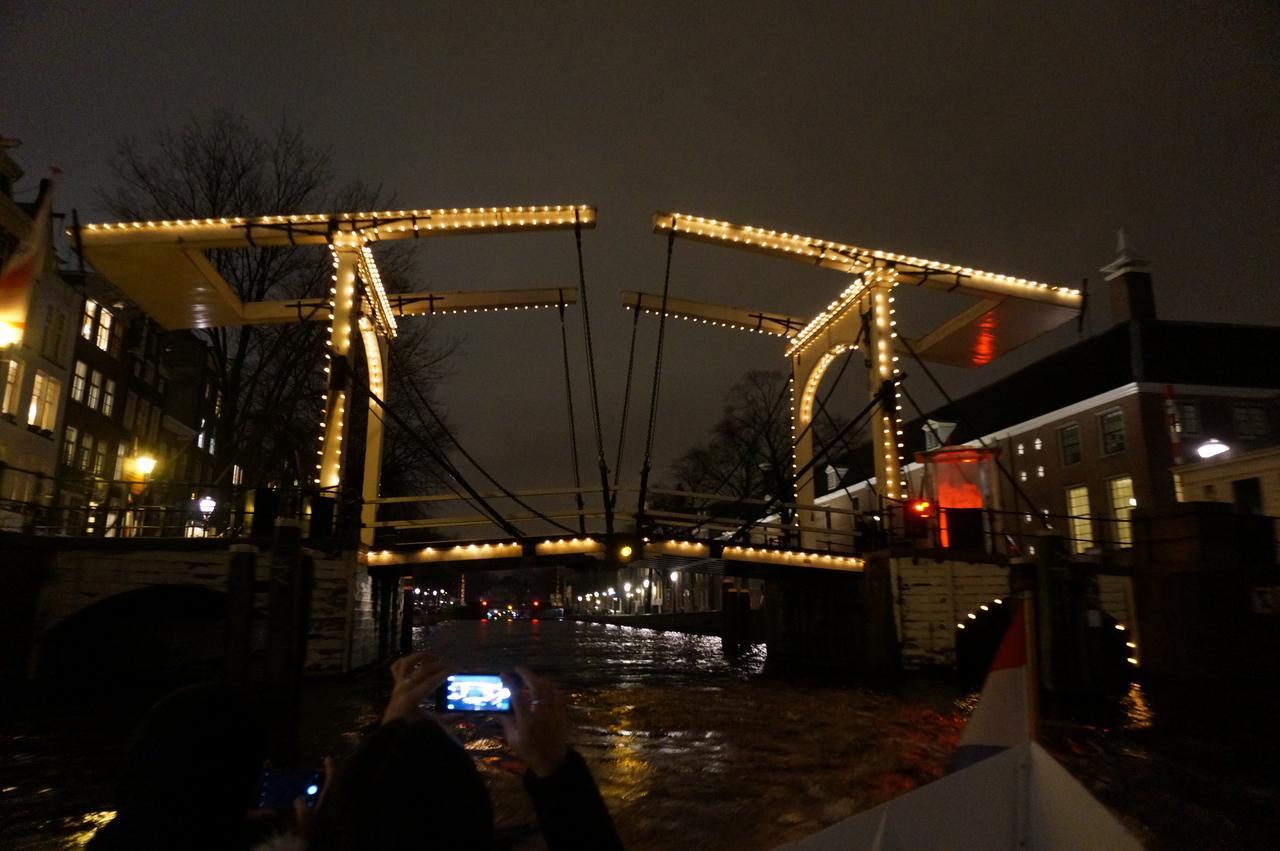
x: 354, y: 617
x: 931, y: 597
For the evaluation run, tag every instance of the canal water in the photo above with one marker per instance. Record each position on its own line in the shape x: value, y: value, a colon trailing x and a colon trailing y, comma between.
x: 692, y: 750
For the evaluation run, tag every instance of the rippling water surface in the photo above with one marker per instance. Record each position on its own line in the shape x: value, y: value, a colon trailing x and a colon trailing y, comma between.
x: 695, y: 751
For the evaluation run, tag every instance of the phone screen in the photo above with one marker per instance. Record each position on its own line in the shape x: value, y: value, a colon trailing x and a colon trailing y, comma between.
x: 473, y: 693
x: 278, y: 789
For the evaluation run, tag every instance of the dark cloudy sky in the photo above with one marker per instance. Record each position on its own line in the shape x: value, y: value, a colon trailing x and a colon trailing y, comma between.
x: 1011, y: 136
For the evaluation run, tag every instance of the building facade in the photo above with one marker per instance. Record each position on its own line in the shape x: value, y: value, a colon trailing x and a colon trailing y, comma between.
x: 33, y: 373
x: 1079, y: 439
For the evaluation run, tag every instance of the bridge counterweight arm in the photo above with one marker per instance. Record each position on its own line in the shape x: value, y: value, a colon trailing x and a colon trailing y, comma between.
x: 854, y: 260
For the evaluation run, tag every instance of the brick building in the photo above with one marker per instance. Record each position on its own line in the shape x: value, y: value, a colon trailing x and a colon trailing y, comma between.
x: 33, y: 373
x: 1090, y: 432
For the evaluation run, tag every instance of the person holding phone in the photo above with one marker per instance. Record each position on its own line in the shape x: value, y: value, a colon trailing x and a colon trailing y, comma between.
x: 410, y: 785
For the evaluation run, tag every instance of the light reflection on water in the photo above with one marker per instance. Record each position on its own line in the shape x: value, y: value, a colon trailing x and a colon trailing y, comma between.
x: 692, y: 750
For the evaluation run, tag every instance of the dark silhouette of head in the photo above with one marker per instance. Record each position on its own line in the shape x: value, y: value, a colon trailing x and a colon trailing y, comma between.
x: 190, y: 771
x: 408, y: 786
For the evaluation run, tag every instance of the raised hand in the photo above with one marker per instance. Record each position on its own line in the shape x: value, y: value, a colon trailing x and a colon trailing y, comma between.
x: 537, y: 728
x: 415, y: 676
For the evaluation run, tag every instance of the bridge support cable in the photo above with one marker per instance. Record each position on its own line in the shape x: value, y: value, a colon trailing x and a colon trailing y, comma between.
x: 821, y: 404
x: 439, y: 421
x: 657, y: 382
x: 1022, y: 494
x: 745, y: 456
x: 573, y: 425
x: 803, y: 471
x: 474, y: 498
x: 626, y: 404
x: 591, y: 375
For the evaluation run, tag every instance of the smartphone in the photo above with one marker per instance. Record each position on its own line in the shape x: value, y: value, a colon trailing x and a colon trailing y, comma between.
x: 278, y: 789
x: 473, y: 693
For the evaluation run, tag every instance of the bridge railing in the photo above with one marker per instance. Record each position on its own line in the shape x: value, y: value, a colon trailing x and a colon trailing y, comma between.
x: 130, y: 509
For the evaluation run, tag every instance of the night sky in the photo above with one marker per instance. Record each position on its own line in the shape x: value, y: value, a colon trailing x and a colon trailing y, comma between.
x: 1014, y: 137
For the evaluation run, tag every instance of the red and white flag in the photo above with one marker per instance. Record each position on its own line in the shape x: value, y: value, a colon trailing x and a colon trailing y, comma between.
x: 1005, y: 714
x: 21, y: 271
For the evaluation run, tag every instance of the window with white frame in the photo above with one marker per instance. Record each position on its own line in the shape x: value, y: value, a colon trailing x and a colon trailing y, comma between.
x: 100, y: 458
x: 109, y: 398
x: 43, y: 410
x: 1120, y: 494
x: 119, y: 471
x: 12, y: 381
x: 95, y: 390
x: 1249, y: 420
x: 1111, y: 427
x: 1069, y: 443
x: 1188, y: 418
x: 79, y: 381
x: 1079, y: 523
x: 69, y: 445
x: 103, y: 340
x: 86, y: 321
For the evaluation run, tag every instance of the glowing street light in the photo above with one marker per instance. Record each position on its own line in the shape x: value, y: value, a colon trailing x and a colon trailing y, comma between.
x: 207, y: 504
x: 144, y: 465
x: 1212, y: 447
x: 674, y: 576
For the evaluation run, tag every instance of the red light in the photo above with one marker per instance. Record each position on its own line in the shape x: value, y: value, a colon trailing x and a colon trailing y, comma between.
x: 535, y: 602
x: 484, y: 602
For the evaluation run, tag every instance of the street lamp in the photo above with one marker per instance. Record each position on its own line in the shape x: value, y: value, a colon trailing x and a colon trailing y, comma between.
x: 144, y: 465
x: 206, y: 504
x: 1212, y: 447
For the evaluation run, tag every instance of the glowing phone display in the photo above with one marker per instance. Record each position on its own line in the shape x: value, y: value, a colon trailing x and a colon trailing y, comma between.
x: 474, y: 693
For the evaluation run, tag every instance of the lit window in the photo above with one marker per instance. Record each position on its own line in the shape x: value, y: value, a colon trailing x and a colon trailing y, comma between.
x: 79, y: 380
x: 86, y: 324
x: 1120, y: 492
x: 1040, y: 471
x: 95, y: 390
x: 12, y: 374
x: 237, y: 475
x: 1111, y: 425
x: 1022, y: 475
x: 1030, y: 517
x: 1249, y: 420
x: 109, y: 398
x: 1079, y: 522
x: 1069, y: 441
x: 200, y: 438
x: 1021, y: 449
x: 212, y: 440
x: 43, y: 410
x: 69, y: 446
x: 1188, y: 418
x: 103, y: 340
x: 100, y: 458
x: 119, y: 471
x: 1038, y: 444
